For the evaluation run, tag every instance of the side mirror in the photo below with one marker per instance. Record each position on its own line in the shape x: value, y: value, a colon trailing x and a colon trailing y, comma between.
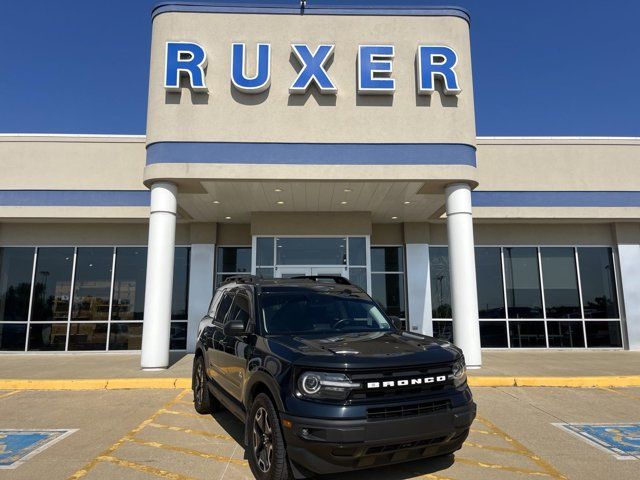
x: 396, y: 322
x: 234, y: 328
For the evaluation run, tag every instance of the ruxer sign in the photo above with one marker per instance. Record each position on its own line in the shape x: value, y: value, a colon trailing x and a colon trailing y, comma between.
x: 374, y: 68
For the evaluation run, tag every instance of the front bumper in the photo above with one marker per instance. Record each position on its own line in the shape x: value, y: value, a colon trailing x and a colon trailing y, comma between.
x: 332, y: 446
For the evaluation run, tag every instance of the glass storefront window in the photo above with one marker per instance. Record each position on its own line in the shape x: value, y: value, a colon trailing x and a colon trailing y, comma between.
x: 178, y: 336
x: 388, y: 290
x: 87, y: 336
x: 524, y: 297
x: 387, y: 259
x: 125, y: 336
x: 47, y: 336
x: 92, y: 284
x: 565, y: 334
x: 489, y: 281
x: 357, y: 251
x: 603, y: 334
x: 264, y: 252
x: 493, y: 334
x: 443, y: 330
x: 529, y: 334
x: 358, y: 276
x: 12, y: 336
x: 16, y: 268
x: 129, y: 283
x: 180, y: 303
x: 311, y: 251
x: 234, y: 261
x: 597, y: 279
x: 52, y: 289
x: 561, y: 296
x: 440, y: 287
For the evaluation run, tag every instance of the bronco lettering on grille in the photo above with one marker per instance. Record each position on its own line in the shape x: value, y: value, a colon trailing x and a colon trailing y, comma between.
x: 407, y: 382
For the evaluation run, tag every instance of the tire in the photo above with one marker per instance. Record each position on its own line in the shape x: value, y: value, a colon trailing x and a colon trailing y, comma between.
x: 267, y: 452
x: 203, y: 401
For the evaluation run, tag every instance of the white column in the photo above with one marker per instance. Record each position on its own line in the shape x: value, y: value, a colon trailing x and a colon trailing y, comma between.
x: 628, y: 239
x: 200, y: 288
x: 462, y: 270
x: 159, y: 286
x: 418, y: 291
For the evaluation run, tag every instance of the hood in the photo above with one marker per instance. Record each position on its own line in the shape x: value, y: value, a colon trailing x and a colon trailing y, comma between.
x: 367, y: 349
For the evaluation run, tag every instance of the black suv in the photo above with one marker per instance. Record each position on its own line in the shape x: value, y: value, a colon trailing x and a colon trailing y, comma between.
x: 324, y: 381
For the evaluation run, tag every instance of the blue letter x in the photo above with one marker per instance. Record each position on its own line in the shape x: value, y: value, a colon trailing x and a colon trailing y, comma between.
x: 313, y: 69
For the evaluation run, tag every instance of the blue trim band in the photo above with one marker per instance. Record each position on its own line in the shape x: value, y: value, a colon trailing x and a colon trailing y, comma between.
x: 75, y: 198
x: 312, y: 153
x: 283, y: 8
x: 555, y: 199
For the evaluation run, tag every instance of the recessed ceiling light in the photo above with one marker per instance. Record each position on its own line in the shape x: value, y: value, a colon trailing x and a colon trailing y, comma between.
x: 347, y: 190
x: 216, y: 202
x: 278, y: 190
x: 407, y: 202
x: 280, y: 202
x: 343, y: 203
x: 227, y: 218
x: 394, y: 218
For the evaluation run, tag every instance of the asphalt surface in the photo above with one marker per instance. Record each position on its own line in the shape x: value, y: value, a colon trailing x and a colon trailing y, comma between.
x: 147, y: 434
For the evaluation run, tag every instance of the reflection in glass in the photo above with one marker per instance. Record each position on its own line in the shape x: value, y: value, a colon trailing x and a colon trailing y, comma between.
x: 129, y: 283
x: 52, y: 287
x: 92, y: 284
x: 489, y: 281
x: 527, y: 334
x: 388, y: 290
x: 357, y: 251
x: 443, y: 330
x: 358, y: 276
x: 603, y: 334
x: 493, y: 335
x: 311, y: 251
x: 264, y: 251
x: 524, y: 298
x: 561, y: 296
x: 178, y: 336
x: 125, y: 336
x: 180, y: 302
x: 597, y: 279
x: 16, y: 268
x: 387, y: 259
x: 440, y: 287
x: 264, y: 272
x: 565, y: 334
x: 88, y: 336
x: 47, y: 336
x: 233, y: 259
x: 12, y: 336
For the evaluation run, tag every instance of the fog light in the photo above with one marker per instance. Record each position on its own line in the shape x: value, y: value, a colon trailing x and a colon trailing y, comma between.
x: 305, y: 432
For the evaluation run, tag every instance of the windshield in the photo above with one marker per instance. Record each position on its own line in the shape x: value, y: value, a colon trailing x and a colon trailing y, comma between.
x: 311, y: 312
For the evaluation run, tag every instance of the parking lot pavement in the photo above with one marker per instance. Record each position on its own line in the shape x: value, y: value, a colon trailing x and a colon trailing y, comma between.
x: 146, y: 434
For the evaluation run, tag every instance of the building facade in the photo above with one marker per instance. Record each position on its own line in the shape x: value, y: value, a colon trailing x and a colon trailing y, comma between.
x: 283, y: 142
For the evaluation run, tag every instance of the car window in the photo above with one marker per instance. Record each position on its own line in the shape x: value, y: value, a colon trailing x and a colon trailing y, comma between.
x: 241, y: 309
x: 223, y: 307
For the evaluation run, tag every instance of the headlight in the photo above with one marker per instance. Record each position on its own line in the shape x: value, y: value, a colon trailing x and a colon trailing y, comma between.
x: 459, y: 372
x: 321, y: 385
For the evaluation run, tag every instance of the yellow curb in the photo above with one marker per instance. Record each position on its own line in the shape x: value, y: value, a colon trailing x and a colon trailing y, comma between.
x: 571, y: 382
x: 185, y: 383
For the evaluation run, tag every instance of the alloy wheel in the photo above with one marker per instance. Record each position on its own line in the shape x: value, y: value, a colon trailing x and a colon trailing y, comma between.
x: 262, y: 439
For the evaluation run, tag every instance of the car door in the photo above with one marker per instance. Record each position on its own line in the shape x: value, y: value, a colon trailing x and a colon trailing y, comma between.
x: 215, y: 338
x: 234, y: 350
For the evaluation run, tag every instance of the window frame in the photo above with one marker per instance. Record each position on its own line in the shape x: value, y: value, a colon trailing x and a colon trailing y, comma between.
x: 403, y: 275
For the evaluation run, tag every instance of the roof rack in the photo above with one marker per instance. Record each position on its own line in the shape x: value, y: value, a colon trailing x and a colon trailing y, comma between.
x: 320, y: 278
x: 248, y: 278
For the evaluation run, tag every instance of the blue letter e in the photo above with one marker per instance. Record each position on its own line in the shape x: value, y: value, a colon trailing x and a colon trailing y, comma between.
x: 437, y: 61
x: 184, y: 58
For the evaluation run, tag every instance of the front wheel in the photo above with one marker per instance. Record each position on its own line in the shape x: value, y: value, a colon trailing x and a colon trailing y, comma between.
x: 203, y: 401
x: 267, y: 452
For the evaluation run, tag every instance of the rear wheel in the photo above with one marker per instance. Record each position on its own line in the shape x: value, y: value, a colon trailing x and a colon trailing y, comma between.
x: 267, y: 452
x: 203, y: 401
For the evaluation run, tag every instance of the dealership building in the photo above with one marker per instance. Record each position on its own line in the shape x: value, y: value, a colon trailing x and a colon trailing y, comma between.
x: 317, y: 141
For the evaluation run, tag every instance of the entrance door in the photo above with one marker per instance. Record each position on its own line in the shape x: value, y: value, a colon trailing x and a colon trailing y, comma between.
x: 289, y: 272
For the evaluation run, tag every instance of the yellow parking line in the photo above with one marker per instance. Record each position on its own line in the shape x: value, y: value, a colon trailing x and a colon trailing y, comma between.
x: 107, y: 453
x: 192, y: 431
x: 184, y: 414
x: 490, y: 447
x: 8, y: 394
x: 145, y: 468
x: 189, y: 451
x: 506, y: 468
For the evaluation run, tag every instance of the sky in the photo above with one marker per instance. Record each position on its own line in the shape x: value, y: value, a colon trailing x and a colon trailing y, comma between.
x: 541, y: 67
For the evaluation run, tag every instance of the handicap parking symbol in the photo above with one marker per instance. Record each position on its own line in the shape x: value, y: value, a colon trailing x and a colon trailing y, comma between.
x: 620, y: 439
x: 17, y: 446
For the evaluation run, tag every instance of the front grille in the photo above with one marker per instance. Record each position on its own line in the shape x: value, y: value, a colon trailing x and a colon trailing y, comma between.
x: 412, y: 410
x: 403, y: 446
x: 364, y: 395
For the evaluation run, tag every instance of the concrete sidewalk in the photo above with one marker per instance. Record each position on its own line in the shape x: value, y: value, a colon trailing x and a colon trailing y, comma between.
x: 583, y: 368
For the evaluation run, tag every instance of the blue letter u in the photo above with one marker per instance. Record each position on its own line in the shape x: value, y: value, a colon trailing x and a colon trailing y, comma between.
x: 262, y: 79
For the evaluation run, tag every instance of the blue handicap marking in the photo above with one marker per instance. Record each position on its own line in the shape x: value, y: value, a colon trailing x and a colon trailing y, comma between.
x: 17, y: 446
x: 620, y: 439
